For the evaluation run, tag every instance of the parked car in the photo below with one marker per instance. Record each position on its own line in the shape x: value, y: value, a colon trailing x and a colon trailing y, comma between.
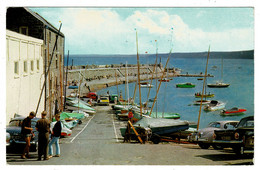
x: 8, y: 139
x: 204, y: 137
x: 241, y: 139
x: 103, y: 100
x: 64, y: 130
x: 16, y: 138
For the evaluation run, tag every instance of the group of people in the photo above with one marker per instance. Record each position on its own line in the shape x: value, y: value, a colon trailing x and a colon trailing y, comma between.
x: 43, y: 127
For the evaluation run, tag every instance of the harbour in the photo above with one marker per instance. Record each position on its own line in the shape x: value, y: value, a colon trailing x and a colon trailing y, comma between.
x: 122, y: 102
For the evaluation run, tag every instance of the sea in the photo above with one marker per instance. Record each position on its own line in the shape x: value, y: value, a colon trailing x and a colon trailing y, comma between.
x: 239, y: 73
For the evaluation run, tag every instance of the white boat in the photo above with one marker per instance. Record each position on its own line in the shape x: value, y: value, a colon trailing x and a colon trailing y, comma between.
x: 219, y: 84
x: 146, y: 85
x: 214, y: 105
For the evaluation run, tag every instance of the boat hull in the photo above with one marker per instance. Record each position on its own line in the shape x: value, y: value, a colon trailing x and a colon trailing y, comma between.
x: 218, y: 85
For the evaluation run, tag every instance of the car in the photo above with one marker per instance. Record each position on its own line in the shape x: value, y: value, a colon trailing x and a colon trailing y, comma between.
x: 241, y: 139
x: 103, y: 100
x: 8, y: 139
x: 16, y: 138
x: 64, y: 130
x: 204, y: 137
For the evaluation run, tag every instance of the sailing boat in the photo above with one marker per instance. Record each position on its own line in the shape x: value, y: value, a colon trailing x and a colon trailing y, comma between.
x: 219, y: 84
x: 205, y: 101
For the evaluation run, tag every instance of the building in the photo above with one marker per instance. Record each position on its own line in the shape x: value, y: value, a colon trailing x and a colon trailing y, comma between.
x: 25, y: 21
x: 24, y: 74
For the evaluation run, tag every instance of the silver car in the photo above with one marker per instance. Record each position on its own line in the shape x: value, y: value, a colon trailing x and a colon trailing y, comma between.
x: 204, y: 137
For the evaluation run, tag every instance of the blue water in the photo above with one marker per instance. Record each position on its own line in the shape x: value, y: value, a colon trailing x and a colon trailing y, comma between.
x: 238, y: 72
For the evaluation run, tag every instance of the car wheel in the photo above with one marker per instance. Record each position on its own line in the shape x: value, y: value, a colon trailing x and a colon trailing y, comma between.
x: 217, y: 147
x: 204, y: 145
x: 155, y: 138
x: 238, y: 150
x: 34, y: 147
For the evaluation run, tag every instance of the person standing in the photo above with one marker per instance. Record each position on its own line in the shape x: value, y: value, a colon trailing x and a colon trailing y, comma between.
x: 43, y: 127
x: 27, y: 132
x: 56, y: 132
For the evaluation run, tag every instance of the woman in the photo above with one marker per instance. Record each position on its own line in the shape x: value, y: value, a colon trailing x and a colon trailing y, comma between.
x: 56, y: 132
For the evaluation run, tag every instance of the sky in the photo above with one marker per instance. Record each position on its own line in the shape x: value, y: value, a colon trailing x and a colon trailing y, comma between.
x: 117, y: 30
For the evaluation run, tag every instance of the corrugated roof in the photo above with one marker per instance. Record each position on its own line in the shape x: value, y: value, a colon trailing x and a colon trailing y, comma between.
x: 45, y: 22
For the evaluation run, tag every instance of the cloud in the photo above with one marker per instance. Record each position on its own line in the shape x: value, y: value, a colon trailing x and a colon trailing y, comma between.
x: 103, y: 31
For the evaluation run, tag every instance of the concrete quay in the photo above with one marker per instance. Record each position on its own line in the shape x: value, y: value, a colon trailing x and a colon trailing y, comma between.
x: 97, y: 141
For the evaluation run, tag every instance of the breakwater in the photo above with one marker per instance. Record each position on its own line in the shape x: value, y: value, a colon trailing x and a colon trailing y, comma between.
x: 94, y: 78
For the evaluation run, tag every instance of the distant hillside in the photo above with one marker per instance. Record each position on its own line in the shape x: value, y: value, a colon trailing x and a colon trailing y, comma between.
x: 229, y: 55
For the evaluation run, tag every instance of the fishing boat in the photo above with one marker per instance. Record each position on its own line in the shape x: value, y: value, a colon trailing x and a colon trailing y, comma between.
x: 214, y: 105
x: 146, y: 85
x: 232, y: 112
x: 185, y: 85
x: 160, y: 126
x: 219, y: 84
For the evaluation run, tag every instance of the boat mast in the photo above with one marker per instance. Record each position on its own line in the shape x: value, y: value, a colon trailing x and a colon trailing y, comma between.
x: 154, y: 68
x: 203, y: 89
x: 160, y: 82
x: 138, y: 72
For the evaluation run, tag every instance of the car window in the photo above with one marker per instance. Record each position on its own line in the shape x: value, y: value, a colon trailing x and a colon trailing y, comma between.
x: 246, y: 123
x: 229, y: 125
x: 15, y: 123
x: 214, y: 124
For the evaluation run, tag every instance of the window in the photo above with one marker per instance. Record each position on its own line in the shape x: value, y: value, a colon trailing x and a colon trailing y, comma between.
x: 16, y: 67
x: 23, y: 30
x: 25, y: 69
x: 38, y: 65
x: 32, y: 66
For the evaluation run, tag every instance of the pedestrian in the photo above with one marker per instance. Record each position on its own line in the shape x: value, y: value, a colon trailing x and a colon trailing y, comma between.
x: 27, y: 132
x: 43, y: 127
x: 55, y: 135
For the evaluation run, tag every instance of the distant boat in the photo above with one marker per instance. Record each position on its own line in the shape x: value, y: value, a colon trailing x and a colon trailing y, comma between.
x: 198, y: 95
x: 199, y: 78
x: 73, y: 87
x: 146, y: 85
x: 185, y: 85
x: 219, y: 84
x: 198, y: 102
x: 232, y: 112
x: 214, y: 105
x: 165, y: 80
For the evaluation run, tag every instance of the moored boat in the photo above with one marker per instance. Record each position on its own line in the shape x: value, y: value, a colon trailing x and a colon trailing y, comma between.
x: 198, y: 95
x: 214, y: 105
x: 233, y: 112
x: 218, y: 85
x: 198, y: 102
x: 146, y: 85
x: 185, y: 85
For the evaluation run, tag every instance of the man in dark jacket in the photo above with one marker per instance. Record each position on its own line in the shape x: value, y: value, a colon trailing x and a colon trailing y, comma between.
x: 43, y: 127
x: 56, y: 132
x: 27, y: 133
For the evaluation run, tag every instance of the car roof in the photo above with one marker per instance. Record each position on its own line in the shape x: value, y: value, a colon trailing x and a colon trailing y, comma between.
x: 22, y: 118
